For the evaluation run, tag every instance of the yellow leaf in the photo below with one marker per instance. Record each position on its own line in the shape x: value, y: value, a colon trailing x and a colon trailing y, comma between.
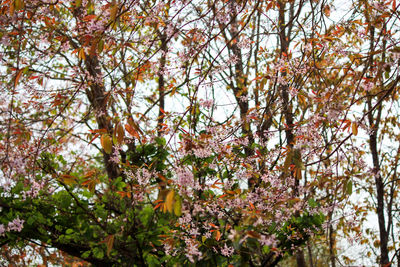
x: 68, y: 179
x: 19, y: 4
x: 164, y: 207
x: 169, y: 200
x: 106, y: 143
x: 100, y: 46
x: 288, y: 161
x: 354, y: 128
x: 178, y: 206
x: 302, y: 100
x: 81, y: 54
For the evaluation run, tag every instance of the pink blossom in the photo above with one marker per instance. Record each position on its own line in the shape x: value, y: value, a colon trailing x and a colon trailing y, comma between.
x: 202, y: 152
x: 185, y: 177
x: 268, y: 241
x: 192, y: 250
x: 115, y: 156
x: 227, y: 251
x: 16, y: 225
x: 206, y: 103
x: 2, y: 229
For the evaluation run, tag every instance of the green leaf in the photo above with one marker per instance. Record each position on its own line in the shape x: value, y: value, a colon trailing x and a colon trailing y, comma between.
x: 312, y: 203
x: 69, y: 231
x: 31, y: 220
x: 86, y: 254
x: 349, y: 187
x: 98, y: 253
x: 160, y: 141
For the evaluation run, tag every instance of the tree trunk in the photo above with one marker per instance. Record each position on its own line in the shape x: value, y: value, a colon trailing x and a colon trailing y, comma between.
x: 332, y: 241
x: 379, y: 186
x: 301, y: 262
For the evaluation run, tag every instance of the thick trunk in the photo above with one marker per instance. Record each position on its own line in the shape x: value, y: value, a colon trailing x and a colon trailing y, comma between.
x: 380, y: 197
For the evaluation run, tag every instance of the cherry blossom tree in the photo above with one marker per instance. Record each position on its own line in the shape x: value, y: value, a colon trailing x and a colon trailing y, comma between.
x: 223, y: 133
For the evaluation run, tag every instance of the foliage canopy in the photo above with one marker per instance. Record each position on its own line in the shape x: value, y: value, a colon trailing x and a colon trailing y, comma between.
x: 204, y: 133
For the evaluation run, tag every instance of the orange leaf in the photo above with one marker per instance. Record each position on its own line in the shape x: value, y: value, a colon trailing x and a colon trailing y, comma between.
x: 252, y: 206
x: 217, y: 235
x: 89, y: 173
x: 135, y: 126
x: 90, y: 184
x: 121, y: 193
x: 95, y: 136
x: 11, y: 10
x: 162, y: 177
x: 253, y: 234
x: 113, y: 13
x: 213, y: 225
x: 132, y: 131
x: 109, y: 243
x: 89, y: 17
x: 327, y: 10
x: 81, y: 54
x: 119, y: 133
x: 98, y: 131
x: 158, y: 205
x: 17, y: 77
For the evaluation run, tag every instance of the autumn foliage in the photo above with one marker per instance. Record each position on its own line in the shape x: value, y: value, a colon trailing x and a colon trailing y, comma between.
x: 199, y: 133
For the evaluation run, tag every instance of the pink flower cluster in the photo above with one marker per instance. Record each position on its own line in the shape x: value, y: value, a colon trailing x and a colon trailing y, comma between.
x: 14, y: 225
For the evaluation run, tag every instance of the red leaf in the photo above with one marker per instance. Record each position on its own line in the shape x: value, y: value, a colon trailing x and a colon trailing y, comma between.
x: 95, y: 136
x: 158, y: 205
